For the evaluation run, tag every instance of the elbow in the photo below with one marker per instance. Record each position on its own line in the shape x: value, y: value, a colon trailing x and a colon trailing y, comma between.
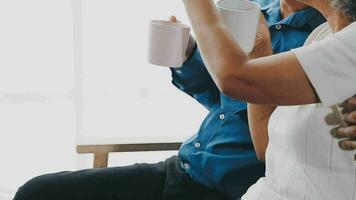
x: 231, y: 85
x: 230, y: 91
x: 230, y: 75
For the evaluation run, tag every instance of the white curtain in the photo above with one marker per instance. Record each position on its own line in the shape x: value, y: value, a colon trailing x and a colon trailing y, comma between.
x: 56, y: 92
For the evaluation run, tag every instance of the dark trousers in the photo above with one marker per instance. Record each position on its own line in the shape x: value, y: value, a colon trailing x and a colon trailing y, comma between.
x: 162, y: 181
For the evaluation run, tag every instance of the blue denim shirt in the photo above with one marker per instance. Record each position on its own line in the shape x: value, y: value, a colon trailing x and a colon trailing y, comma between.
x: 221, y: 154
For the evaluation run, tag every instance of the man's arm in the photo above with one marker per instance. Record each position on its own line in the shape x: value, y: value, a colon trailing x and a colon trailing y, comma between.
x: 274, y: 80
x: 193, y: 77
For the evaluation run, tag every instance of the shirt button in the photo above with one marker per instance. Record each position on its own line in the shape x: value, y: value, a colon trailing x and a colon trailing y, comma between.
x: 222, y: 116
x: 178, y: 71
x: 197, y: 145
x: 186, y: 166
x: 278, y: 27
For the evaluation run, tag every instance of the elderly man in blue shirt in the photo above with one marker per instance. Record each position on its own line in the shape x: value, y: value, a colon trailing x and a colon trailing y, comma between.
x: 218, y: 162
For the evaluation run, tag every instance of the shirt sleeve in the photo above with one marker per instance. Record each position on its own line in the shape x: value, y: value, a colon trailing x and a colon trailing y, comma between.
x: 331, y: 66
x: 194, y: 79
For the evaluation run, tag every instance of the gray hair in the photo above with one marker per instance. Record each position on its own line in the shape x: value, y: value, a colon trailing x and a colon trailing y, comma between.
x: 346, y: 6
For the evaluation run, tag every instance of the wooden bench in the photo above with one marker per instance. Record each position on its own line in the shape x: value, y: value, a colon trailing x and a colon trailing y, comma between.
x: 102, y: 148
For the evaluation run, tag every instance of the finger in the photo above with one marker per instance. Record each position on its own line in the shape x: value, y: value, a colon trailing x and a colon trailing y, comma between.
x: 346, y: 132
x: 348, y: 145
x: 350, y: 118
x: 352, y: 100
x: 351, y: 104
x: 332, y: 120
x: 334, y: 133
x: 173, y: 19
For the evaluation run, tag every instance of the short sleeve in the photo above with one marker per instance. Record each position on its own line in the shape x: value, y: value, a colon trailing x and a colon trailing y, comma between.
x: 331, y: 66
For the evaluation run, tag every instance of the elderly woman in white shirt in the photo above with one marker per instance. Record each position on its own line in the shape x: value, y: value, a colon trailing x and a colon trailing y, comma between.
x: 302, y: 160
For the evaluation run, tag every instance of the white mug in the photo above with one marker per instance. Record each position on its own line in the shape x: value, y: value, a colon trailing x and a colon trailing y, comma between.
x: 168, y: 42
x: 241, y: 18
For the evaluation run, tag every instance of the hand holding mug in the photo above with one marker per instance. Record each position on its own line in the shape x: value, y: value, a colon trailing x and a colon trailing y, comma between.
x: 192, y: 44
x: 168, y: 42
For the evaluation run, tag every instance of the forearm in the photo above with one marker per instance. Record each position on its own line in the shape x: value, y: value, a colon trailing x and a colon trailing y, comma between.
x: 273, y: 80
x: 215, y: 42
x: 258, y: 116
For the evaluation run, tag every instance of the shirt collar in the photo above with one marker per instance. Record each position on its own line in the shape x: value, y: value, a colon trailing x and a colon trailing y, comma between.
x: 308, y: 17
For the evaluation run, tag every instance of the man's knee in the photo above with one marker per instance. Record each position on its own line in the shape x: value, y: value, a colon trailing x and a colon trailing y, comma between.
x: 38, y: 188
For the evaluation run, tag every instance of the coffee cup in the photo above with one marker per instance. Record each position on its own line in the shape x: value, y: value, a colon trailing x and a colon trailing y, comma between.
x: 168, y: 42
x: 241, y: 18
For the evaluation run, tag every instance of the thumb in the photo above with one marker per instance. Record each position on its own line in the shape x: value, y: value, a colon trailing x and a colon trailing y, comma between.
x: 173, y: 19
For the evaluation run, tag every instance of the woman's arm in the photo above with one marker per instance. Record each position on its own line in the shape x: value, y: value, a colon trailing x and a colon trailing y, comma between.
x: 259, y: 115
x: 274, y: 80
x: 258, y: 118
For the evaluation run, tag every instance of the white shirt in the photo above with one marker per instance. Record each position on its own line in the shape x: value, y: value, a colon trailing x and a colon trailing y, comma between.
x: 303, y: 161
x: 331, y: 66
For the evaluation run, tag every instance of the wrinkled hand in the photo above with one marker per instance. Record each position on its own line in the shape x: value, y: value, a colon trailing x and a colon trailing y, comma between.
x: 263, y: 44
x: 192, y: 44
x: 348, y: 133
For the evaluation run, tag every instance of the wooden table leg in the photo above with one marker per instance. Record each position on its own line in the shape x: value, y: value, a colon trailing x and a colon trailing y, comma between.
x: 101, y: 160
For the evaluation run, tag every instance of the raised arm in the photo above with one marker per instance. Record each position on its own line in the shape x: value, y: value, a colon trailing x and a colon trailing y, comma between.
x: 259, y: 115
x: 274, y: 80
x: 193, y: 78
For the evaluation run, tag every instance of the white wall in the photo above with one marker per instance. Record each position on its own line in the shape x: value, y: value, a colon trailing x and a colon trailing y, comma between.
x: 123, y: 95
x: 37, y: 123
